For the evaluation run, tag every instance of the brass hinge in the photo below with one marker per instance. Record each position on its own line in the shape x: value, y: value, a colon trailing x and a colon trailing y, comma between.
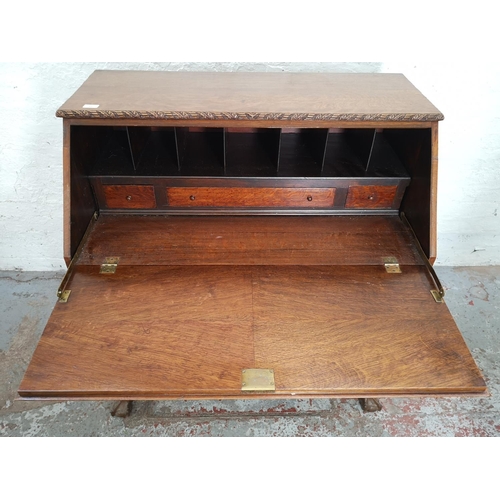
x: 109, y: 265
x: 257, y: 380
x: 391, y: 265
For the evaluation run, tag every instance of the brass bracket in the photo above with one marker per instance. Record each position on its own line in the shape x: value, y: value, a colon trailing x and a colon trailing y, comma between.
x: 392, y: 265
x: 437, y: 296
x: 62, y: 293
x: 257, y: 380
x: 109, y: 265
x: 63, y: 298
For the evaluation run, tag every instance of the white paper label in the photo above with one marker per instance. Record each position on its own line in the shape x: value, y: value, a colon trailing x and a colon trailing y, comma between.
x: 91, y: 106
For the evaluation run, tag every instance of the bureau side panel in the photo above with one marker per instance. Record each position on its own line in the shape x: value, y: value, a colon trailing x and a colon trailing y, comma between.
x: 416, y: 149
x: 79, y: 202
x: 434, y: 188
x: 66, y: 191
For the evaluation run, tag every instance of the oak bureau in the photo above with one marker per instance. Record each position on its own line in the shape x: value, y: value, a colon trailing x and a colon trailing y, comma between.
x: 249, y: 235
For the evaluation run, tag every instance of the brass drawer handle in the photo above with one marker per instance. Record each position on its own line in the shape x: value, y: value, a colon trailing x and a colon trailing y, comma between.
x: 129, y: 198
x: 309, y: 198
x: 192, y: 197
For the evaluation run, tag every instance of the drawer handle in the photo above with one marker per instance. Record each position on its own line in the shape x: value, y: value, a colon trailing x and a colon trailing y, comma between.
x: 370, y: 197
x: 129, y: 197
x: 309, y: 198
x: 192, y: 197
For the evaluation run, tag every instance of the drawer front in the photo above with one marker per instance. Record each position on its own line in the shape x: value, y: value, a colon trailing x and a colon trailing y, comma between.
x: 251, y: 197
x: 370, y: 196
x: 129, y: 196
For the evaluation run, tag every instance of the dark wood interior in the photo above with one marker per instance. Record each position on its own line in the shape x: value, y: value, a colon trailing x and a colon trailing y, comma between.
x: 234, y: 170
x: 85, y: 146
x: 248, y: 152
x: 414, y: 148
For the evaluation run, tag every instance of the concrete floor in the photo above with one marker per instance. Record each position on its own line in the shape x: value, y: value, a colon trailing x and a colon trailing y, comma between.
x: 473, y: 296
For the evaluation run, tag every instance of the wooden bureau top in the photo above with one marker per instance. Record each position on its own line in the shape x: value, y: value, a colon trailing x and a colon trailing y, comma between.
x: 168, y: 95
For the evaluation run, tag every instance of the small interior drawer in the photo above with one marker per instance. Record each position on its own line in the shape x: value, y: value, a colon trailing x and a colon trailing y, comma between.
x: 250, y: 197
x: 370, y: 196
x: 129, y: 196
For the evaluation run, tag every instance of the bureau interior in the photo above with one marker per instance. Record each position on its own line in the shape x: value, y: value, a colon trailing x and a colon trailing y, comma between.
x: 141, y: 170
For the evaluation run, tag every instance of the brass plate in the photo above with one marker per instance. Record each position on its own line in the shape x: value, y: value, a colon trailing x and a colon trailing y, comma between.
x: 257, y: 380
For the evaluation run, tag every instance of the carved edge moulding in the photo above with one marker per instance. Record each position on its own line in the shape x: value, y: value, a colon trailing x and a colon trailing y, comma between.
x: 197, y: 115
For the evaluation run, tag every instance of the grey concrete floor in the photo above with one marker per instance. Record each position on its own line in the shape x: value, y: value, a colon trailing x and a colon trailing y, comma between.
x: 473, y: 296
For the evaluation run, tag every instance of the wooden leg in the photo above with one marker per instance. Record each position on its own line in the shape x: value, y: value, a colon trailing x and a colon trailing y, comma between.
x: 369, y: 405
x: 122, y: 409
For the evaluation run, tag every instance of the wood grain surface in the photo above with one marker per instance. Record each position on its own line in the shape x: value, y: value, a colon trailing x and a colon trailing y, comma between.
x: 147, y: 331
x: 250, y: 197
x: 370, y: 196
x: 240, y: 96
x: 171, y: 332
x: 348, y: 329
x: 271, y: 240
x: 129, y: 196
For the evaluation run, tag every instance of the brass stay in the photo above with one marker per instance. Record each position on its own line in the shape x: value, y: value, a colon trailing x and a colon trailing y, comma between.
x: 437, y: 294
x: 62, y: 293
